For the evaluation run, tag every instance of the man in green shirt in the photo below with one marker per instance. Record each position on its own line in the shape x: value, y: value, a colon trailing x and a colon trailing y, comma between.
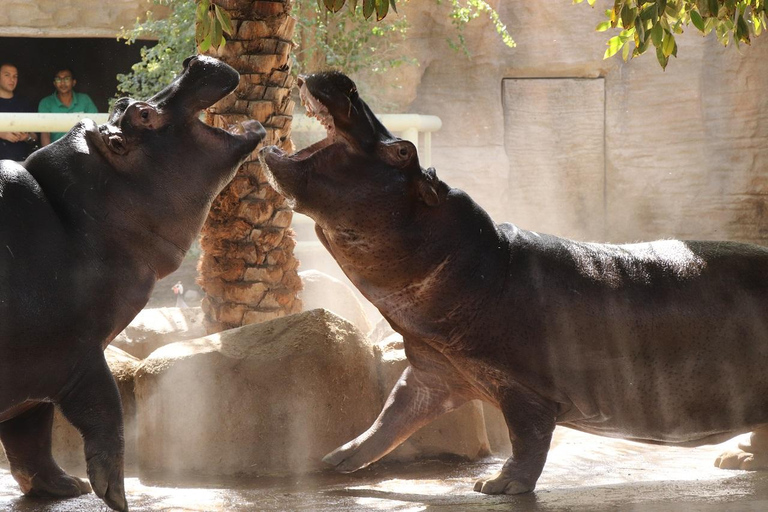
x: 64, y: 101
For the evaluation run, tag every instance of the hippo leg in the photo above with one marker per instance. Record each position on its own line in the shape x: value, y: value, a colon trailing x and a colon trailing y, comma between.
x: 751, y: 456
x: 93, y: 406
x: 27, y: 442
x: 418, y: 398
x: 531, y: 422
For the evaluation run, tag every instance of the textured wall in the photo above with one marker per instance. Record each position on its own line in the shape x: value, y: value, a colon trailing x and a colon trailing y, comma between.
x: 686, y: 150
x: 70, y: 18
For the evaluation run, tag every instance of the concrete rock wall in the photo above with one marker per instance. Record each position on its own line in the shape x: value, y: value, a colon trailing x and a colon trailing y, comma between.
x: 71, y: 18
x: 685, y: 150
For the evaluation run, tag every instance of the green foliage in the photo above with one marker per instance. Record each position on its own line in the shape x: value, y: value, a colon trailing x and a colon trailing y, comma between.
x: 159, y: 64
x: 345, y: 41
x: 211, y: 23
x: 462, y: 13
x: 655, y: 22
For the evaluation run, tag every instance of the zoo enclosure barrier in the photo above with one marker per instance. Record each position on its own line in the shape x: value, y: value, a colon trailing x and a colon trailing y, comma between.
x: 408, y: 126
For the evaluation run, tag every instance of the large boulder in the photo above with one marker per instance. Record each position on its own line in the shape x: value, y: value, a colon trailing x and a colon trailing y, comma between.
x: 154, y: 328
x: 264, y: 399
x: 460, y: 433
x: 324, y: 291
x: 66, y: 441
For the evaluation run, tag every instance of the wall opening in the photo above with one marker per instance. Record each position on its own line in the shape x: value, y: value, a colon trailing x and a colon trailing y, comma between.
x: 95, y: 63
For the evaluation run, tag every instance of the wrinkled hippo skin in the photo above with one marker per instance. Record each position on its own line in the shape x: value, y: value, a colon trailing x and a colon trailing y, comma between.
x: 663, y: 342
x: 87, y: 226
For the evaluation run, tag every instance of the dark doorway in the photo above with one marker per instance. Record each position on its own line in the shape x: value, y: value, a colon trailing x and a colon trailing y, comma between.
x: 95, y: 62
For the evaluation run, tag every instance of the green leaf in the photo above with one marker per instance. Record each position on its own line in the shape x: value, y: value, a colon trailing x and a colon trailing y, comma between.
x: 625, y: 52
x: 224, y: 19
x: 603, y: 26
x: 668, y: 45
x: 661, y: 58
x: 742, y: 30
x: 216, y: 33
x: 627, y: 16
x: 591, y: 2
x: 382, y: 6
x: 614, y: 45
x: 329, y: 5
x: 697, y: 20
x: 713, y: 7
x: 640, y: 29
x: 206, y: 43
x: 368, y: 7
x: 657, y: 35
x: 206, y: 23
x: 393, y: 4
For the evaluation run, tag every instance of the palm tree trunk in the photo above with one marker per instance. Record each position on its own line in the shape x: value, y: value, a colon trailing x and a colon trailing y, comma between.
x: 248, y: 270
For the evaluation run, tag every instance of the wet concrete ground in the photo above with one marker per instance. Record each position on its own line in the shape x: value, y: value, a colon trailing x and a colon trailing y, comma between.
x: 583, y: 473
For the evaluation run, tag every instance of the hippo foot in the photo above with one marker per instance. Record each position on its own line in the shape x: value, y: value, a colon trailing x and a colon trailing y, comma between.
x: 501, y: 484
x: 750, y: 456
x: 106, y: 476
x: 52, y: 484
x: 346, y: 458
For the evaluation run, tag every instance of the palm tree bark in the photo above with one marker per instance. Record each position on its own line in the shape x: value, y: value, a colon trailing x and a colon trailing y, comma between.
x: 248, y: 270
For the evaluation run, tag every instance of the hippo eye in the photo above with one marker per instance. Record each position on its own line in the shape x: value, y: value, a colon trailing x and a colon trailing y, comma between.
x: 145, y: 114
x: 403, y: 151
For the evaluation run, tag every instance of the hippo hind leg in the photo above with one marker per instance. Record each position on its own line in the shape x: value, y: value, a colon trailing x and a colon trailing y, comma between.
x: 27, y: 442
x: 751, y: 456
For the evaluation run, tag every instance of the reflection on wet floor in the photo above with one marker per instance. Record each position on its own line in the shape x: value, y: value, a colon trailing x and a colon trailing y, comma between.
x: 583, y: 472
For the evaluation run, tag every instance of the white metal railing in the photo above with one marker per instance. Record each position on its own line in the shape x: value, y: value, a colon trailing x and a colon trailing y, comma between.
x: 408, y: 126
x: 33, y: 122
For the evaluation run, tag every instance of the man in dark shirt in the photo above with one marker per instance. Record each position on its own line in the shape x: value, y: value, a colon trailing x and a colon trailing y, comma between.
x: 13, y: 145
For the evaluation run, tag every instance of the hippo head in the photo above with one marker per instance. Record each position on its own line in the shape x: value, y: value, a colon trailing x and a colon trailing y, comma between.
x: 165, y: 130
x: 145, y: 179
x: 360, y: 182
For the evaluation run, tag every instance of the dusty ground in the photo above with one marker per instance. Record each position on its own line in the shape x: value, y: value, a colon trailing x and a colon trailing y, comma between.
x: 584, y: 473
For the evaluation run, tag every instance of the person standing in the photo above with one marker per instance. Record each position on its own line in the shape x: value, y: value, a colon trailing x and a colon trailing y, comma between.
x: 64, y: 100
x: 14, y: 145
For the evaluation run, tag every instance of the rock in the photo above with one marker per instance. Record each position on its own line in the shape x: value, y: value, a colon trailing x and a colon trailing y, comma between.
x: 67, y: 443
x: 323, y: 291
x: 497, y: 431
x: 154, y: 328
x: 263, y: 399
x: 381, y: 331
x: 459, y: 433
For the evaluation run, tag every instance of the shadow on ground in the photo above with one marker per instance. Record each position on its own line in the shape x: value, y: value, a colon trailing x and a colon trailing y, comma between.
x: 583, y: 473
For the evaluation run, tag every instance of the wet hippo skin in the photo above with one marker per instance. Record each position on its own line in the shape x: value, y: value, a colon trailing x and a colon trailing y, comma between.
x: 88, y: 224
x: 662, y: 342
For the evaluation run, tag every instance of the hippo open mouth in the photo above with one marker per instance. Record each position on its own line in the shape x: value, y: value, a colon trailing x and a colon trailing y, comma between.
x: 203, y: 82
x: 352, y: 131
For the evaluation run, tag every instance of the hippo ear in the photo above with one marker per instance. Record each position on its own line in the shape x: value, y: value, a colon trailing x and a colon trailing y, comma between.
x: 118, y: 109
x: 116, y: 143
x: 428, y: 187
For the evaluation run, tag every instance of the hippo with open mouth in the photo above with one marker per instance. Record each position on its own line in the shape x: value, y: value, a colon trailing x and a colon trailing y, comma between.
x: 87, y: 226
x: 663, y: 342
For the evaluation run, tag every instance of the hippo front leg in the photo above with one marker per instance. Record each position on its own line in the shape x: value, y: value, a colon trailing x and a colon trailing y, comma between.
x: 418, y: 398
x: 27, y: 442
x: 531, y: 422
x: 93, y: 406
